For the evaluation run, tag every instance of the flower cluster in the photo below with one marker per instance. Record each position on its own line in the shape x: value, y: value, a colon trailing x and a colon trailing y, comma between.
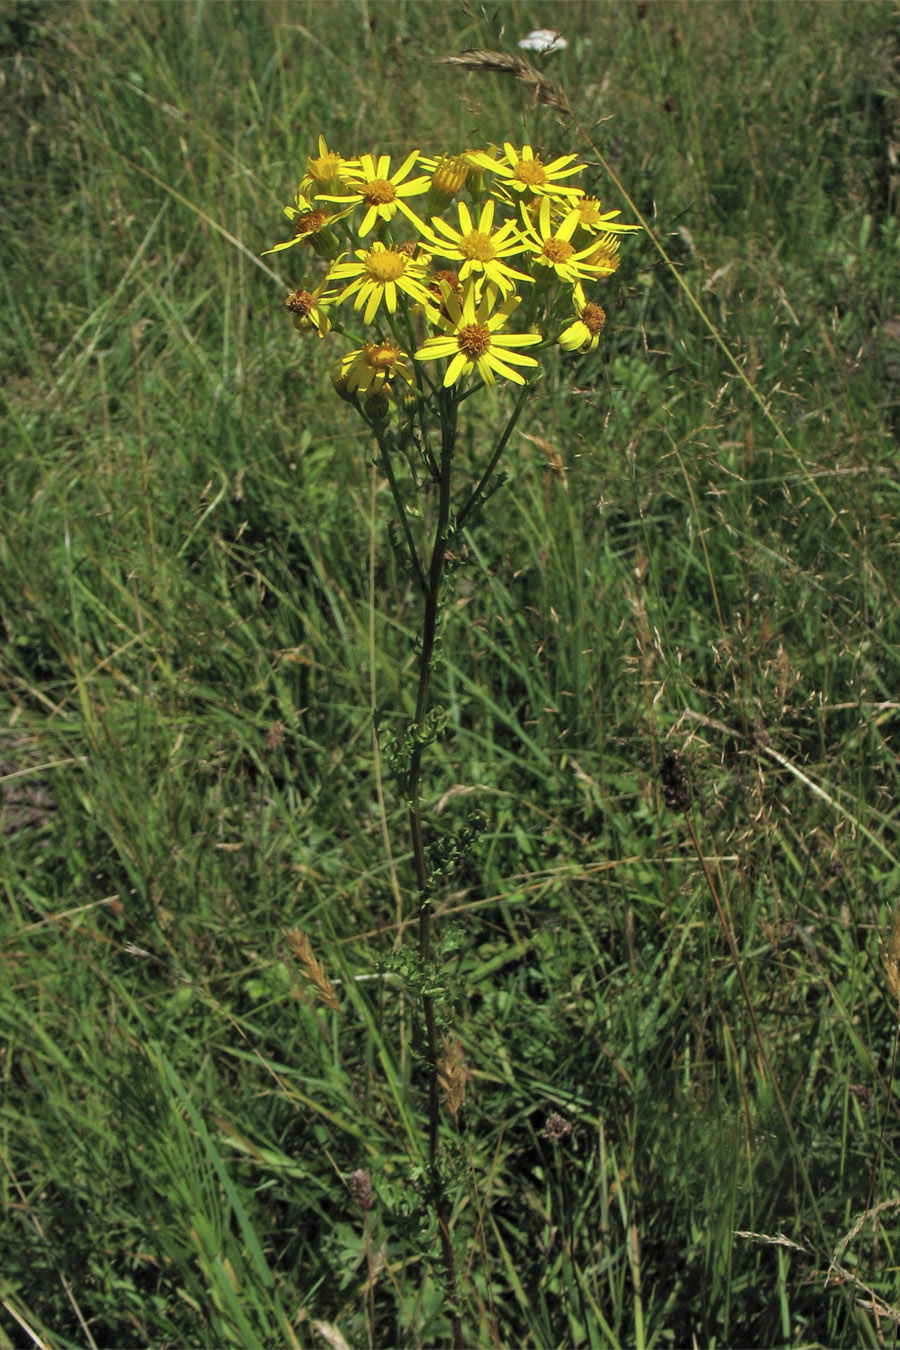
x: 469, y: 259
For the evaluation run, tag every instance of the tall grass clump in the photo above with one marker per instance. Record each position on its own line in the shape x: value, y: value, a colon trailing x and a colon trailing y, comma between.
x: 659, y: 814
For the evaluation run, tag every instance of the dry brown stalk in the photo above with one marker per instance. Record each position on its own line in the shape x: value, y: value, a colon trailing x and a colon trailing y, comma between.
x: 504, y: 64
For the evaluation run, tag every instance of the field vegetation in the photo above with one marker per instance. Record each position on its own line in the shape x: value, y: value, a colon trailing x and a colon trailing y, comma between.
x: 675, y: 1031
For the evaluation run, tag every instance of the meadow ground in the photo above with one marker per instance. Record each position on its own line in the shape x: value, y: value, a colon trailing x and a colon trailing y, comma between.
x: 666, y: 1139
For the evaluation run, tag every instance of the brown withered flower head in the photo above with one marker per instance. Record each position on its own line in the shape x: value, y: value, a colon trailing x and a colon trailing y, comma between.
x: 557, y: 1127
x: 674, y: 782
x: 359, y: 1184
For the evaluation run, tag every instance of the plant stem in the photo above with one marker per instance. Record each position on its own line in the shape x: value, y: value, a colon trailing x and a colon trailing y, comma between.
x: 479, y: 490
x: 433, y: 586
x: 384, y: 447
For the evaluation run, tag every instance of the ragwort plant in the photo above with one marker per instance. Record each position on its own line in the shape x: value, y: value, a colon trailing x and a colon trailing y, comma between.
x: 446, y: 275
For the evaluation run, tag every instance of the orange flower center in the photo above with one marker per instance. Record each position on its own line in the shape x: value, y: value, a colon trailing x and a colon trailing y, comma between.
x: 477, y: 246
x: 381, y: 356
x: 452, y: 280
x: 593, y: 317
x: 300, y: 302
x: 309, y: 222
x: 384, y: 265
x: 474, y: 340
x: 531, y: 172
x: 558, y: 250
x: 379, y: 192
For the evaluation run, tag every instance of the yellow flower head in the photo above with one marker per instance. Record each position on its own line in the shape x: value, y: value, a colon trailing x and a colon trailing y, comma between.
x: 472, y: 340
x: 553, y: 248
x: 311, y: 225
x: 324, y: 172
x: 306, y: 307
x: 584, y: 334
x: 448, y: 177
x: 603, y: 256
x: 481, y: 252
x: 371, y: 368
x: 379, y: 274
x: 382, y: 193
x: 594, y: 219
x: 526, y: 173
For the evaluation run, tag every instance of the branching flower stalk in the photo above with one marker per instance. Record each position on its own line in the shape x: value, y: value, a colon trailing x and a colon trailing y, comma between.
x: 430, y: 262
x: 423, y: 882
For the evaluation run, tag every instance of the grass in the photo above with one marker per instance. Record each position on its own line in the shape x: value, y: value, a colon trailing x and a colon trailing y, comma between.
x: 203, y: 611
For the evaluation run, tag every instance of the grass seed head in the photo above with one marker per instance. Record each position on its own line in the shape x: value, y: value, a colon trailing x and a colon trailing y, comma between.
x: 313, y: 969
x: 891, y: 957
x: 453, y: 1075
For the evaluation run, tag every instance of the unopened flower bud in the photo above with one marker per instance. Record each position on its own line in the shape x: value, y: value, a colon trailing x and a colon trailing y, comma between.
x: 377, y: 407
x: 477, y: 182
x: 326, y: 244
x: 342, y: 388
x: 449, y: 178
